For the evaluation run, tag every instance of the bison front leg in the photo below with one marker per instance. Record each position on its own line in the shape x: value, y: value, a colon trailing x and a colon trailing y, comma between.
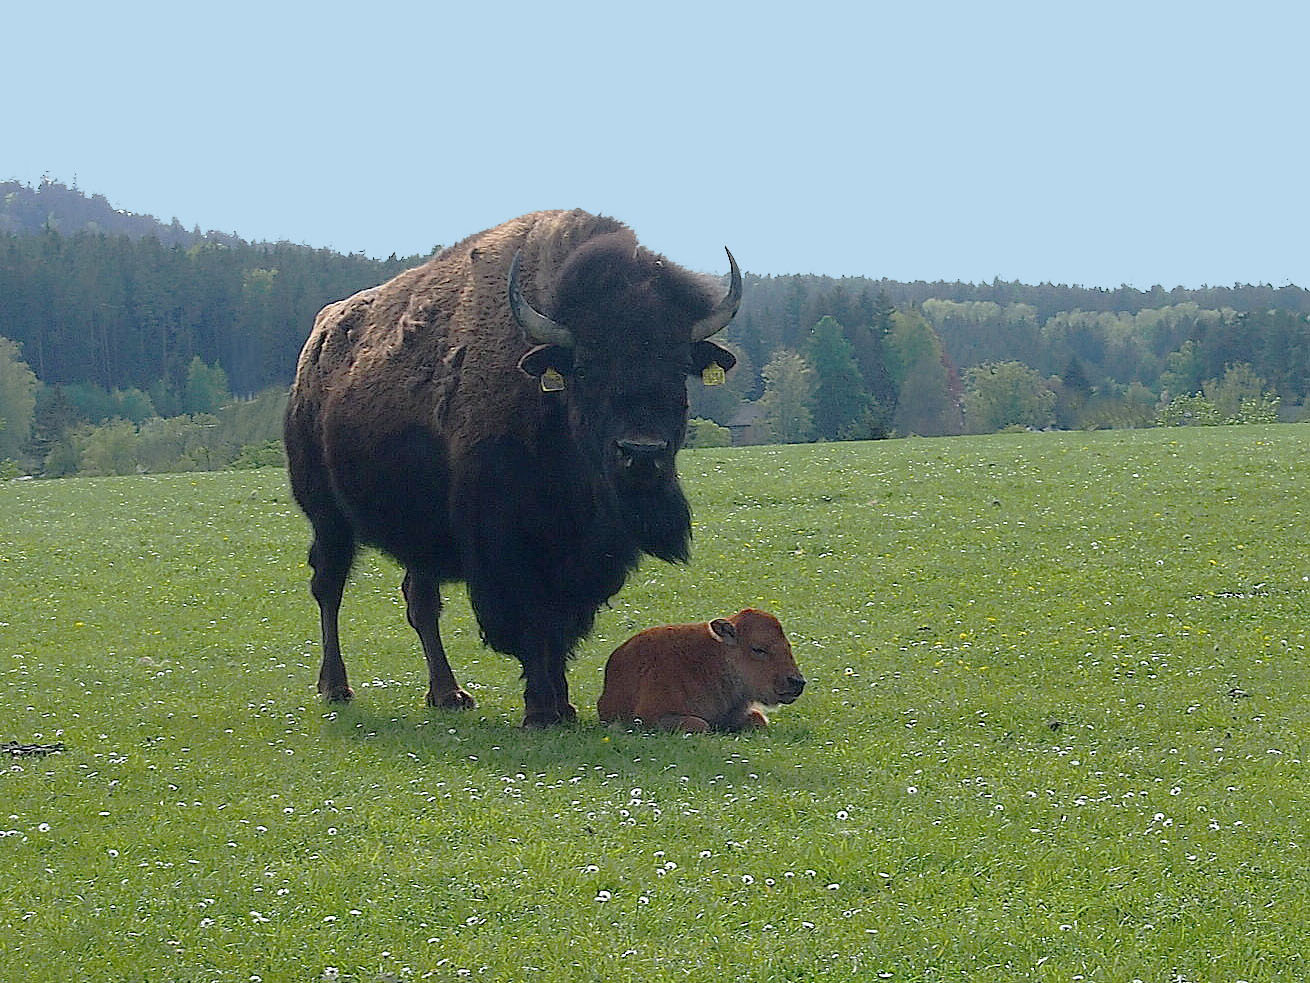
x: 546, y: 692
x: 330, y: 556
x: 423, y: 610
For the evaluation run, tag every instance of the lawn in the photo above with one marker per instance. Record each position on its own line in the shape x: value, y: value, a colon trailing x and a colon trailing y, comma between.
x: 1058, y: 714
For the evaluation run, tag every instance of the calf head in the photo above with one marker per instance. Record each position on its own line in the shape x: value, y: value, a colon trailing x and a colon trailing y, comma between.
x: 754, y: 642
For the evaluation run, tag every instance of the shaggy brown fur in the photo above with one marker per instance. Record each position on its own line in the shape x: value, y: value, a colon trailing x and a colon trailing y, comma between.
x: 708, y: 676
x: 415, y: 425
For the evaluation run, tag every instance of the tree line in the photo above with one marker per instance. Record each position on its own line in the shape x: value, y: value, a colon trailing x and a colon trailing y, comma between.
x: 101, y: 330
x: 824, y: 359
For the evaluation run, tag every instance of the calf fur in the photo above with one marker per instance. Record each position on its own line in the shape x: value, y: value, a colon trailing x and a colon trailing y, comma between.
x: 708, y: 676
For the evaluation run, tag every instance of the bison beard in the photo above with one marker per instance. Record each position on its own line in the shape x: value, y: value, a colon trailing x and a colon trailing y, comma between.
x: 660, y: 522
x: 419, y: 423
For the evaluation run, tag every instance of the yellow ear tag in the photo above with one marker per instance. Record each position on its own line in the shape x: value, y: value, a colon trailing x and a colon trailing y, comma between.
x: 551, y: 381
x: 713, y: 375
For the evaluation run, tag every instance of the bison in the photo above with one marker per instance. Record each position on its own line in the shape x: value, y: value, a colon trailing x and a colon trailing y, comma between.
x: 709, y: 676
x: 506, y: 415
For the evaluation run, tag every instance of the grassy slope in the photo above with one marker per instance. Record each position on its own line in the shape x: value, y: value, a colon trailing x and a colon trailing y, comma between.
x: 1056, y: 730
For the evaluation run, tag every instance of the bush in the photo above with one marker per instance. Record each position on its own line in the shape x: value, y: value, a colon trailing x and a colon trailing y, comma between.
x: 1188, y: 411
x: 707, y: 433
x: 269, y: 454
x: 111, y: 449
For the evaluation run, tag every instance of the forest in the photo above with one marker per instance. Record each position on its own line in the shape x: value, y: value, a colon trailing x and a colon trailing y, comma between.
x: 117, y: 328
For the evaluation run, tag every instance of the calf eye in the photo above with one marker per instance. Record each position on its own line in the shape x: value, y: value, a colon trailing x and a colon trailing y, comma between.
x: 759, y: 653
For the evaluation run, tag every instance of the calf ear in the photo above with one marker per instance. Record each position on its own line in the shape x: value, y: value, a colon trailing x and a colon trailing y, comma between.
x: 706, y: 353
x: 543, y: 358
x: 724, y: 631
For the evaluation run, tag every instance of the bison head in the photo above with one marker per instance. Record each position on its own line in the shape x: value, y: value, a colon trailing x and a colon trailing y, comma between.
x: 626, y: 328
x: 755, y: 643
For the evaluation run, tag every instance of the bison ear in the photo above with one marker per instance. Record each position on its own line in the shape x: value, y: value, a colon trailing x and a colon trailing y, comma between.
x: 547, y: 358
x: 725, y: 631
x: 707, y: 353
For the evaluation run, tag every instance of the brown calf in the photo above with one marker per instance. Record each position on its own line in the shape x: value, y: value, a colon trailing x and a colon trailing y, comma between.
x: 708, y: 676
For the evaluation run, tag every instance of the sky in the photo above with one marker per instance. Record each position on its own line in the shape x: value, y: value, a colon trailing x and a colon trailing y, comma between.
x: 1099, y: 144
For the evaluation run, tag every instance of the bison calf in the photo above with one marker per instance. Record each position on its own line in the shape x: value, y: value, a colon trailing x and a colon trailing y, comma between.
x: 709, y: 676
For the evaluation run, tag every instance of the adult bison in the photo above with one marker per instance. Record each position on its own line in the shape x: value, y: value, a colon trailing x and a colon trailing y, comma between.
x: 506, y: 414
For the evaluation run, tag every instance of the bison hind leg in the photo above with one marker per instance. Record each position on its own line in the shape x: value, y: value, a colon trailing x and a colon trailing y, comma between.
x: 423, y: 611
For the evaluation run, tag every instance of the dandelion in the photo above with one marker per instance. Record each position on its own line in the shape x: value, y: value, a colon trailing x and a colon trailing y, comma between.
x: 603, y: 896
x: 705, y: 854
x: 912, y: 789
x: 843, y: 815
x: 747, y: 879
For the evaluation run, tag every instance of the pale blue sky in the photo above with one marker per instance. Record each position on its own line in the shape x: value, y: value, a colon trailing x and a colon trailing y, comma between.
x: 1094, y: 143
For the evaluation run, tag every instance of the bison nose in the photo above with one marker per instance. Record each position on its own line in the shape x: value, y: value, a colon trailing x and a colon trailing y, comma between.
x: 795, y: 684
x: 641, y: 451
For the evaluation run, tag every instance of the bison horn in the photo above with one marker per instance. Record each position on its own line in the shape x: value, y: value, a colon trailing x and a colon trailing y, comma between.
x: 718, y: 318
x: 536, y: 325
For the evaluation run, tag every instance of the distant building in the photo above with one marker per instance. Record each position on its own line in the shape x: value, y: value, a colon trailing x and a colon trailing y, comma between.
x: 747, y: 425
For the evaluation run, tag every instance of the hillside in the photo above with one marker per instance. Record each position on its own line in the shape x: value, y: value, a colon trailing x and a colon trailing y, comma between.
x: 52, y: 205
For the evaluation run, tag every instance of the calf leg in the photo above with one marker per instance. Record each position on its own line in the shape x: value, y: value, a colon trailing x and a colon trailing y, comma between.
x: 423, y: 610
x: 683, y: 723
x: 331, y: 556
x: 752, y: 718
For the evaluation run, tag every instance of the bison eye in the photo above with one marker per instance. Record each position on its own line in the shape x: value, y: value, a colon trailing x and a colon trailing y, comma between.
x: 759, y: 653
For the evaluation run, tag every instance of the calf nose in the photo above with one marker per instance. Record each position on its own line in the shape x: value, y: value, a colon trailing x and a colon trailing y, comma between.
x: 796, y: 682
x: 641, y: 451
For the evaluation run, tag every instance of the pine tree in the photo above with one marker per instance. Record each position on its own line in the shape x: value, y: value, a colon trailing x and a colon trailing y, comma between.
x: 840, y: 395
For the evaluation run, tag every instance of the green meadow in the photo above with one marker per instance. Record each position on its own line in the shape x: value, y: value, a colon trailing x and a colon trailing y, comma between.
x: 1056, y: 729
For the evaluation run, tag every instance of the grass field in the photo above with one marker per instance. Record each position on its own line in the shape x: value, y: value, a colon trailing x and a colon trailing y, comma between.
x: 1056, y: 730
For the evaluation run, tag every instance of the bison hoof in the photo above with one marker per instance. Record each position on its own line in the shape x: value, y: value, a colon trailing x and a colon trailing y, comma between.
x: 541, y: 719
x: 338, y: 694
x: 456, y: 699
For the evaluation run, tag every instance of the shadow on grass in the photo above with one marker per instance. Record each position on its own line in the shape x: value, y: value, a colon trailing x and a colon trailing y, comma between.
x: 493, y: 742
